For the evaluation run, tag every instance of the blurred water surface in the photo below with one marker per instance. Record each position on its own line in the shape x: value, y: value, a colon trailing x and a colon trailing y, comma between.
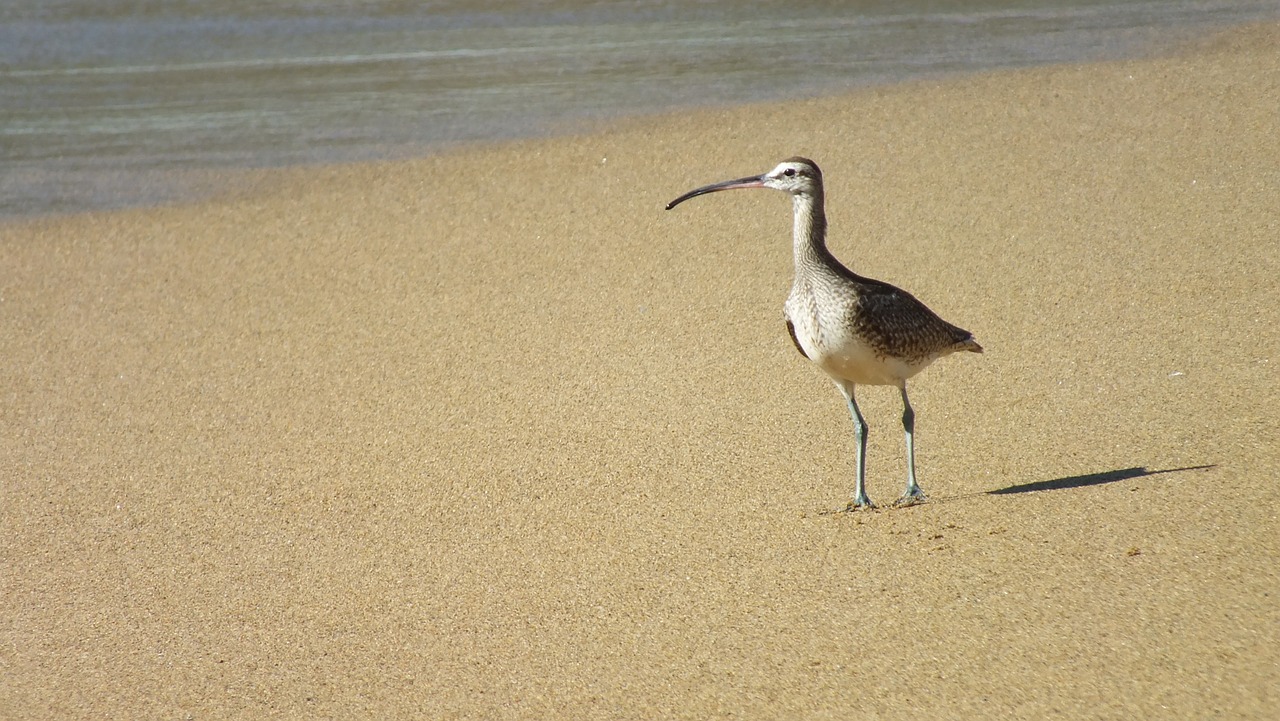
x: 111, y: 103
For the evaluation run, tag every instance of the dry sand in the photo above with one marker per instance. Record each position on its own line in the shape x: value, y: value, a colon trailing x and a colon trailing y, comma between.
x: 491, y: 435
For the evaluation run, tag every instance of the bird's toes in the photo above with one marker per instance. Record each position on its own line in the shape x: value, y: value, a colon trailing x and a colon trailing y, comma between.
x: 860, y: 504
x: 911, y: 498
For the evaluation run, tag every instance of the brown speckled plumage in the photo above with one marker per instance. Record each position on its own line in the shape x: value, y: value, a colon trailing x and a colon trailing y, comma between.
x: 897, y: 325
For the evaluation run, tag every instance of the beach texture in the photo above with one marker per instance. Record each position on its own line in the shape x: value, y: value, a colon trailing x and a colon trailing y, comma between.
x: 492, y: 435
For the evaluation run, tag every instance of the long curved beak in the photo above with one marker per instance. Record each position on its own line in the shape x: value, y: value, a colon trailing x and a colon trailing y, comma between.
x: 755, y: 181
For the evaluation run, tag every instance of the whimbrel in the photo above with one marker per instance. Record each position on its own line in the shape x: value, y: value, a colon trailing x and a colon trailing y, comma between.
x: 860, y: 331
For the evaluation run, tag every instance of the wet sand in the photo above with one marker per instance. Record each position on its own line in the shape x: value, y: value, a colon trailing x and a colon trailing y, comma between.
x: 492, y: 435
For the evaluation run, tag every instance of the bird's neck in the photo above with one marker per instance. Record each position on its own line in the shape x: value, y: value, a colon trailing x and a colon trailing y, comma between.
x: 810, y: 232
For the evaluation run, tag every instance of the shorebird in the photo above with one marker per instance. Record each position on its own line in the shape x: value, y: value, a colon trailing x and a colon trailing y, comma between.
x: 858, y: 330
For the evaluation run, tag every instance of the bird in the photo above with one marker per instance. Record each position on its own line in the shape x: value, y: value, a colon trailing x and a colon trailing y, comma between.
x: 858, y: 330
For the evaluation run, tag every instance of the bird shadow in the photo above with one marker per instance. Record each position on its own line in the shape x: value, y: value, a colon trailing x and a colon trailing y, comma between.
x: 1053, y: 484
x: 1091, y: 479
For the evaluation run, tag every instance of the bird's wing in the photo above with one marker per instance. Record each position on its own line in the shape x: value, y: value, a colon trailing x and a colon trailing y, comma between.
x: 898, y: 325
x: 791, y: 329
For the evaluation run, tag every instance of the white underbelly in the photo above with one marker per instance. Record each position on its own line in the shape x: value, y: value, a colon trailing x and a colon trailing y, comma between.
x: 858, y: 363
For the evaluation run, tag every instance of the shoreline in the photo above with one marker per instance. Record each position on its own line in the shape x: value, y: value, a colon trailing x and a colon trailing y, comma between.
x: 185, y: 186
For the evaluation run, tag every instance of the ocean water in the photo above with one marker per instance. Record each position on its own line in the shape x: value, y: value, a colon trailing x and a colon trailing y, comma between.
x: 113, y: 103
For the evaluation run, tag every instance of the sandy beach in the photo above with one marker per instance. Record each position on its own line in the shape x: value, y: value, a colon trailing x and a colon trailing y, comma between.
x: 492, y: 435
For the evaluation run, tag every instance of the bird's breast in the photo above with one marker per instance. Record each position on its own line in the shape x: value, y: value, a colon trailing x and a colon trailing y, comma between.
x: 830, y: 341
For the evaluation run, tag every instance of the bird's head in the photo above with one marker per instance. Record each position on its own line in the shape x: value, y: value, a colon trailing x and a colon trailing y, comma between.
x: 797, y: 176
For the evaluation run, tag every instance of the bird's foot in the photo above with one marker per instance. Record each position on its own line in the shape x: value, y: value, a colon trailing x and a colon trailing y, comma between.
x: 912, y: 497
x: 860, y: 503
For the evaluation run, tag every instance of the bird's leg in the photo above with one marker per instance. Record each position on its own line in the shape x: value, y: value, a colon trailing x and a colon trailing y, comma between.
x: 860, y: 499
x: 913, y: 494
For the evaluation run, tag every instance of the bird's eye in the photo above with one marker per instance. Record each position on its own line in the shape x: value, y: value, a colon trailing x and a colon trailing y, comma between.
x: 789, y: 172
